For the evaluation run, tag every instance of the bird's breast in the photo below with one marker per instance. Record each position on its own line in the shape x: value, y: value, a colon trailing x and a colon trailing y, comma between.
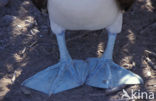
x: 83, y: 14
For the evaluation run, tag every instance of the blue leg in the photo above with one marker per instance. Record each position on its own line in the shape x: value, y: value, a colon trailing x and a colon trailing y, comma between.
x: 67, y: 74
x: 104, y: 73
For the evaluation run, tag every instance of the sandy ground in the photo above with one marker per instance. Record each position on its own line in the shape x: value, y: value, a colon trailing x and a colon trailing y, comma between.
x: 28, y: 46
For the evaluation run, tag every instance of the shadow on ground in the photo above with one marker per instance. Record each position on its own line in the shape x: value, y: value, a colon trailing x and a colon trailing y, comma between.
x: 27, y: 46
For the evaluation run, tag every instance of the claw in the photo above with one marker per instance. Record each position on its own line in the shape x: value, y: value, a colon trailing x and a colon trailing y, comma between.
x: 107, y: 74
x: 60, y: 77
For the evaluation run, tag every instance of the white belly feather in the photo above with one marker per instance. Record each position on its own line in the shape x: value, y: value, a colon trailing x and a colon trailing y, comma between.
x: 83, y: 14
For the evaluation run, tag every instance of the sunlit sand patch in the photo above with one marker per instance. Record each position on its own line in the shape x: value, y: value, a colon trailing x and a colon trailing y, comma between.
x: 127, y: 62
x: 131, y: 36
x: 5, y: 82
x: 100, y: 49
x: 149, y: 6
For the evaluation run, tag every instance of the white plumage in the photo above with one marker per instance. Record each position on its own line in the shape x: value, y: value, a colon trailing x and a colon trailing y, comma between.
x: 85, y: 14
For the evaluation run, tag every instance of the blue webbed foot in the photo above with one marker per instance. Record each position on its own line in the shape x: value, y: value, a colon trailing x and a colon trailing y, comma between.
x: 104, y: 73
x: 63, y: 76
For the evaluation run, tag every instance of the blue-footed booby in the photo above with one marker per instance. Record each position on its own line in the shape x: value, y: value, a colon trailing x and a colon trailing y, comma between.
x: 69, y: 73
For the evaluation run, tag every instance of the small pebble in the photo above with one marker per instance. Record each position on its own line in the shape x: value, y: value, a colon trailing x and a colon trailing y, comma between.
x: 149, y: 73
x: 13, y: 78
x: 34, y: 31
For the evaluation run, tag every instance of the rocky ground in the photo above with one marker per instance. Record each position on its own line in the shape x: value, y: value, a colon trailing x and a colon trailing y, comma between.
x: 28, y: 46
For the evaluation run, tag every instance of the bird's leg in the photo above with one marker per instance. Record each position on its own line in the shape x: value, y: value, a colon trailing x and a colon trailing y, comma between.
x: 108, y: 54
x: 64, y: 54
x: 67, y: 74
x: 104, y: 73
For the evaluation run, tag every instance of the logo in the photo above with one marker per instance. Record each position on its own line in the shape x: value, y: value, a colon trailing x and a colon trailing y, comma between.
x: 137, y: 95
